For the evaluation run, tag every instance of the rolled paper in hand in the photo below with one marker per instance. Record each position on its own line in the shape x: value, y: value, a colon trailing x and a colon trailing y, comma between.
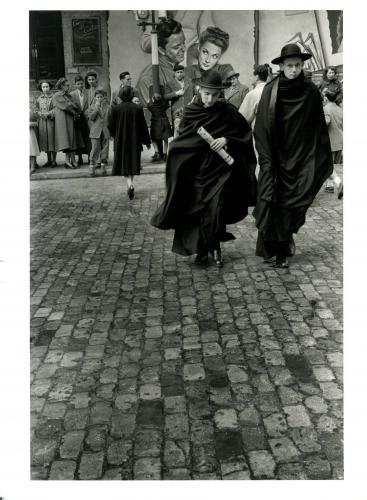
x: 209, y: 139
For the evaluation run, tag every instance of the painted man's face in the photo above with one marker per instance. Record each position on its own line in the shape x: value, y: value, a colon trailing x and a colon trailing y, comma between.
x: 127, y: 81
x: 330, y: 75
x: 291, y: 67
x: 175, y: 48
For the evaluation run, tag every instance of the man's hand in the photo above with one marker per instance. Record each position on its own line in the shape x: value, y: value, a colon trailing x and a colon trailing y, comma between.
x: 180, y: 92
x: 218, y: 144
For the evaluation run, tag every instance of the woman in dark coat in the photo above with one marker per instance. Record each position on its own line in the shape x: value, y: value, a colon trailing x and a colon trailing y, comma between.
x: 128, y: 127
x: 66, y: 112
x: 332, y: 84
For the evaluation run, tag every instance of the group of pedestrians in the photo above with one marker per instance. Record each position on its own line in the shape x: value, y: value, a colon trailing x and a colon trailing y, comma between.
x: 272, y: 147
x: 205, y: 192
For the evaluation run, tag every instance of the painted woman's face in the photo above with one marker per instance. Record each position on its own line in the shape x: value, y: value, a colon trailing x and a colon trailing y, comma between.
x: 209, y: 55
x: 45, y: 87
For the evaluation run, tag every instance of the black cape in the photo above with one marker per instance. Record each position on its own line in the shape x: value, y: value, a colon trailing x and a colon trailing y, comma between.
x: 204, y: 193
x: 128, y: 127
x: 295, y: 157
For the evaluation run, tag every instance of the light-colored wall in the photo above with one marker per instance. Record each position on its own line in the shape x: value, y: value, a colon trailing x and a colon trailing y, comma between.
x: 126, y: 54
x: 70, y: 69
x: 277, y: 29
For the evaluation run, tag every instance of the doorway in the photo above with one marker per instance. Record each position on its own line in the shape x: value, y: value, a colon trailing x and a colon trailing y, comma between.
x: 46, y: 48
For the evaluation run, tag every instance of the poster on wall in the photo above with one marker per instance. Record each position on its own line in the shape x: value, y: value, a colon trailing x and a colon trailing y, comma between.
x: 87, y: 48
x: 335, y: 18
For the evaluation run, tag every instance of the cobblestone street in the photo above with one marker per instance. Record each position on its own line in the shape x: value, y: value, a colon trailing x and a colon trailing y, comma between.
x: 144, y: 366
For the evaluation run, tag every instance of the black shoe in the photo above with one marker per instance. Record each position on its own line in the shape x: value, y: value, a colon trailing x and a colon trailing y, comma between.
x: 217, y: 257
x: 201, y: 259
x: 69, y: 165
x: 130, y: 193
x: 282, y: 262
x: 98, y: 165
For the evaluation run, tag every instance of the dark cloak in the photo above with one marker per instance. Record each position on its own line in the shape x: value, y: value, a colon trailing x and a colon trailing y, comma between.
x: 128, y: 127
x: 295, y: 159
x: 204, y: 193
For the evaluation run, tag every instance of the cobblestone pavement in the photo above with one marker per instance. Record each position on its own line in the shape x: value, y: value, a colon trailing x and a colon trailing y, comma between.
x: 147, y: 367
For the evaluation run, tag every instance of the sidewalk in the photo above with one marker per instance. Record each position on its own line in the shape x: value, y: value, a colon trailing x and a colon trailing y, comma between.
x: 60, y: 172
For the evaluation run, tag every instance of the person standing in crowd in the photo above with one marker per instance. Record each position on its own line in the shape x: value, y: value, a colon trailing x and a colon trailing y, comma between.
x: 171, y: 50
x: 91, y: 84
x: 213, y: 42
x: 236, y: 91
x: 204, y: 193
x: 99, y: 133
x: 79, y: 96
x: 66, y: 112
x: 334, y: 119
x: 294, y: 154
x: 331, y: 83
x: 160, y: 129
x: 125, y: 79
x: 33, y: 141
x: 46, y: 123
x: 128, y: 127
x: 248, y: 108
x: 175, y: 92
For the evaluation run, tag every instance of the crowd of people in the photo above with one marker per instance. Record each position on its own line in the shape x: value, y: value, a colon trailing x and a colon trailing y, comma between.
x: 272, y: 147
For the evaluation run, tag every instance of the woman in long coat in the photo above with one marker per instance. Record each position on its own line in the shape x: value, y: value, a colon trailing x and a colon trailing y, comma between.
x: 66, y: 112
x: 128, y: 127
x: 46, y: 123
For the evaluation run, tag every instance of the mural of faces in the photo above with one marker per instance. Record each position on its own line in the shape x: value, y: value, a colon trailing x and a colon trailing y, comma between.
x: 175, y: 48
x: 209, y: 55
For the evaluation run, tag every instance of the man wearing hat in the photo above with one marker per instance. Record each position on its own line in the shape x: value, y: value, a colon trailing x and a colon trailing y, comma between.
x: 204, y: 193
x: 175, y: 92
x: 295, y: 158
x: 235, y: 91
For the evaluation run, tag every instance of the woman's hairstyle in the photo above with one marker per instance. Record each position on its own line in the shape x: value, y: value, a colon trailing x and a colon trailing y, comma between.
x: 90, y: 73
x: 216, y: 36
x: 78, y: 78
x: 167, y: 28
x: 60, y: 82
x: 39, y: 86
x: 333, y: 68
x: 126, y: 94
x: 262, y: 71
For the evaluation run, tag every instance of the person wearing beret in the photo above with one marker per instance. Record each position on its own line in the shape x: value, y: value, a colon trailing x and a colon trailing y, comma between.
x: 203, y: 192
x: 295, y: 157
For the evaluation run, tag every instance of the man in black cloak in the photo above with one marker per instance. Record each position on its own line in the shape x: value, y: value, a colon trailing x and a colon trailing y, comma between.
x: 204, y: 193
x: 295, y: 158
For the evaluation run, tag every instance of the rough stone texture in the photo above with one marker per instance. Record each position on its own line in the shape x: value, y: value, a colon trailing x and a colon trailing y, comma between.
x: 144, y: 365
x: 262, y: 464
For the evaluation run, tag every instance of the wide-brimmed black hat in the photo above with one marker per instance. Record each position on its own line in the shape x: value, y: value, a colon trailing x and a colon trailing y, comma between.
x: 291, y: 50
x: 211, y: 80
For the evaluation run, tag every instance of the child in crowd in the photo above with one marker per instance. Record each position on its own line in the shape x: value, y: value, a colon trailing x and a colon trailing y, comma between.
x: 334, y: 119
x: 46, y: 123
x: 33, y: 141
x: 98, y: 131
x: 160, y: 128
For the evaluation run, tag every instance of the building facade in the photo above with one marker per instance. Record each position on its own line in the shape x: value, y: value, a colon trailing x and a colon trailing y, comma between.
x: 70, y: 43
